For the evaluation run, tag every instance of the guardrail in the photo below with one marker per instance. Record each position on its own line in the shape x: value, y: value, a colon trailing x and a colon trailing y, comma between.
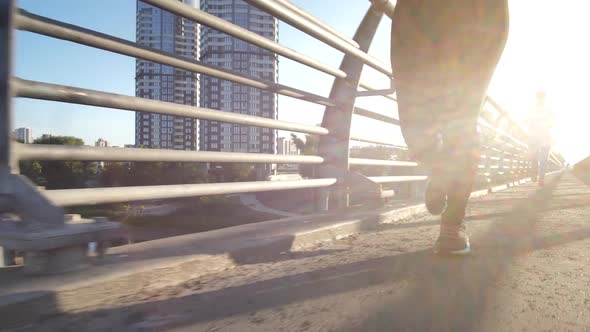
x: 40, y: 211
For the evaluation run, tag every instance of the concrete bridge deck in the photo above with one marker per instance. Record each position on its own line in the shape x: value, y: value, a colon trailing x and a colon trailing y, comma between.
x: 530, y: 271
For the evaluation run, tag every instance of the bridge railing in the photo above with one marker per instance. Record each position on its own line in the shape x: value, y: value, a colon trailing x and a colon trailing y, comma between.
x: 44, y: 234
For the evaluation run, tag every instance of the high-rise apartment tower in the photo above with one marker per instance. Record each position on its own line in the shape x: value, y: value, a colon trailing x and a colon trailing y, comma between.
x: 221, y: 50
x: 161, y: 30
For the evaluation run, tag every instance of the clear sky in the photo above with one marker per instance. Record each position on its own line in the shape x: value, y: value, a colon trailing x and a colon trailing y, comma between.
x: 547, y: 49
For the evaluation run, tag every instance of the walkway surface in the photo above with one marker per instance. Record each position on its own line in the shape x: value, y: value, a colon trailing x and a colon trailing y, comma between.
x: 253, y: 203
x: 530, y: 271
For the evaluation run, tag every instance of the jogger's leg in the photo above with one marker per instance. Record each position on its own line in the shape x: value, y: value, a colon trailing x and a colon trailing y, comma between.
x: 543, y: 159
x: 462, y: 149
x: 443, y: 57
x: 534, y: 160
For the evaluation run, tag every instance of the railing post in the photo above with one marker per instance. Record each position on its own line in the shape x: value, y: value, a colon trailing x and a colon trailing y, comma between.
x: 7, y: 9
x: 6, y: 41
x: 335, y: 146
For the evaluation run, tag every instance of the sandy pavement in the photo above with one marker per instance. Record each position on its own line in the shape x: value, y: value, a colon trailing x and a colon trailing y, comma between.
x: 530, y: 271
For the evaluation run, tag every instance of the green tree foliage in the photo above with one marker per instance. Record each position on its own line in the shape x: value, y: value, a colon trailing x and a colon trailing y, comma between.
x: 151, y: 173
x: 77, y: 174
x: 238, y: 172
x: 114, y: 174
x: 308, y: 147
x: 31, y: 169
x: 59, y: 174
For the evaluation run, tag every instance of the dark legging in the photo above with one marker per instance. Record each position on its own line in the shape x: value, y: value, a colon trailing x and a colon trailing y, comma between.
x: 443, y: 55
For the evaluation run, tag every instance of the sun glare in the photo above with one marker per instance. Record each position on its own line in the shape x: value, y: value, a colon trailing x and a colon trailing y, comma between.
x: 546, y: 50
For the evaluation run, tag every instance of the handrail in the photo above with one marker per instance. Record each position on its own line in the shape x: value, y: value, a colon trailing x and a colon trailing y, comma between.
x: 47, y: 91
x: 301, y: 12
x: 377, y: 141
x: 299, y: 22
x: 216, y: 23
x: 376, y: 116
x: 378, y: 162
x: 89, y: 153
x: 93, y: 196
x: 45, y: 26
x: 369, y: 87
x: 396, y: 179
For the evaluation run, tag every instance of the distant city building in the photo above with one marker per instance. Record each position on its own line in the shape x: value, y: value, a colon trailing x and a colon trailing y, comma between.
x: 223, y: 51
x: 24, y: 135
x: 159, y: 29
x: 102, y: 143
x: 285, y: 145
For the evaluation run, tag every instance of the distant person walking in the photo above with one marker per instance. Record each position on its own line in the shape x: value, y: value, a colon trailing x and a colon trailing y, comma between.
x: 540, y: 122
x: 443, y: 55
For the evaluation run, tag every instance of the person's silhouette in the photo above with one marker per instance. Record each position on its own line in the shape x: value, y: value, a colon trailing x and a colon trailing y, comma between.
x: 443, y: 55
x: 540, y: 123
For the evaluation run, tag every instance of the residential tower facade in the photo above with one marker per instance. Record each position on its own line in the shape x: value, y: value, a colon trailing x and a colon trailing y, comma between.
x: 161, y: 30
x: 223, y: 51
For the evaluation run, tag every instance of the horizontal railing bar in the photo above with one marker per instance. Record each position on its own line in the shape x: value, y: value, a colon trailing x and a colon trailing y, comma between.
x: 505, y: 114
x: 510, y: 140
x: 377, y: 162
x: 554, y: 159
x: 367, y: 86
x: 45, y: 26
x: 500, y: 132
x: 507, y: 141
x: 376, y: 116
x: 374, y: 93
x: 54, y: 92
x: 199, y: 16
x: 503, y: 152
x: 299, y: 11
x: 394, y: 179
x: 92, y: 196
x: 299, y: 22
x: 90, y: 153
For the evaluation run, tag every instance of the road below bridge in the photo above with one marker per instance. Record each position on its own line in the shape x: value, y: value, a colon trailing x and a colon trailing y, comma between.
x: 530, y: 271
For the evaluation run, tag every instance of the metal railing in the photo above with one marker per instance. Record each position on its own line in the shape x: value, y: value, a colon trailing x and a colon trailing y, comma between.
x: 504, y: 158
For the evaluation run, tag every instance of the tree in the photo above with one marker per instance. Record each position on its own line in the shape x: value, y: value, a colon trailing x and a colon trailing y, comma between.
x: 299, y: 143
x: 308, y: 147
x: 32, y: 170
x: 59, y: 174
x: 179, y: 173
x: 151, y: 173
x: 238, y: 172
x: 114, y: 175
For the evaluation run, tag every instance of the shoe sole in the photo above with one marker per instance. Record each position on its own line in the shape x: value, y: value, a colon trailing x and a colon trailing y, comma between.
x: 462, y: 252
